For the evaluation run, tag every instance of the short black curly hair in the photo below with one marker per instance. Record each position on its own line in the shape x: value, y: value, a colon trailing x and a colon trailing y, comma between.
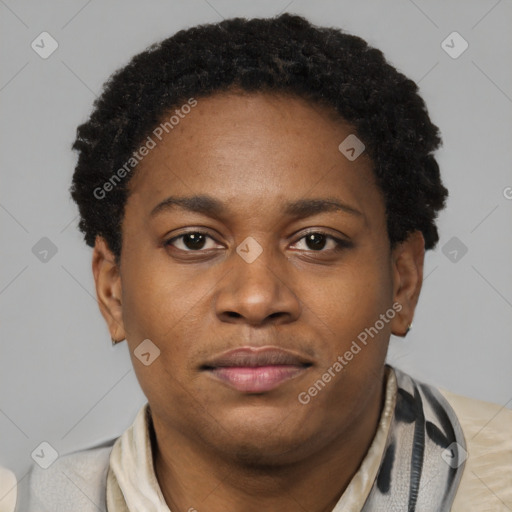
x: 284, y: 54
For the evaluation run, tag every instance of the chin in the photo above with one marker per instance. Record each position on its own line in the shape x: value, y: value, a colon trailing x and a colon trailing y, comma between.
x: 261, y: 444
x: 266, y: 455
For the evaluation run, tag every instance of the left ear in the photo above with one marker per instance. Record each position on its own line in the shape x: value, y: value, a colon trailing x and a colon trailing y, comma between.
x: 407, y: 260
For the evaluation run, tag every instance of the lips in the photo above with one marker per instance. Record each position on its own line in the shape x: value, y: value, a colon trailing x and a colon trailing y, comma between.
x: 256, y: 370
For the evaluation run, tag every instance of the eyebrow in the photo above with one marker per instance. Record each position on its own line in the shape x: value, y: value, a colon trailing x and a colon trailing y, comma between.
x: 212, y: 207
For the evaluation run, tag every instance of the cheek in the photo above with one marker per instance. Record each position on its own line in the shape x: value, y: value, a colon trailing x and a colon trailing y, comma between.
x: 168, y: 308
x: 155, y: 299
x: 354, y: 351
x: 156, y: 308
x: 352, y: 299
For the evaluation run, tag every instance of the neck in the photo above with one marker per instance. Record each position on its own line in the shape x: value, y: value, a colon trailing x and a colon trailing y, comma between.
x: 192, y: 478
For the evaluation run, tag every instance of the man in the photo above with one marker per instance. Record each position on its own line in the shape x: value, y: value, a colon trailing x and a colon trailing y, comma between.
x: 259, y: 195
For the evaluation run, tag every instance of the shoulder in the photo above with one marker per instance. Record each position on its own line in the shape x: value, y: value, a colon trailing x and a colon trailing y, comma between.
x: 487, y: 477
x: 75, y: 481
x: 8, y: 486
x: 479, y: 416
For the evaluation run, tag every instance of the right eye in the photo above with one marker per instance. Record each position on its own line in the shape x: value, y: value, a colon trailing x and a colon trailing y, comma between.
x: 192, y: 241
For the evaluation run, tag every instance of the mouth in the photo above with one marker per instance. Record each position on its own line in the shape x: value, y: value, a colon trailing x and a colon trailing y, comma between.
x: 256, y: 370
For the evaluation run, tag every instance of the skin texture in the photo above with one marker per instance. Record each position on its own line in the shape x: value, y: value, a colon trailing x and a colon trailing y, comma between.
x: 221, y: 449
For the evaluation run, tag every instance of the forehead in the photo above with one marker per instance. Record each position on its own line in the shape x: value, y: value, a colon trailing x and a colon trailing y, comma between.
x: 248, y: 148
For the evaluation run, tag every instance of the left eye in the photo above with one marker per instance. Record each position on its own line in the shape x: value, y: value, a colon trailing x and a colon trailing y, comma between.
x: 316, y: 241
x: 197, y: 240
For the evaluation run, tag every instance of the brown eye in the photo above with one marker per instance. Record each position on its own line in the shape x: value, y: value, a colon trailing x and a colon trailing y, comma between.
x: 190, y: 242
x: 317, y: 241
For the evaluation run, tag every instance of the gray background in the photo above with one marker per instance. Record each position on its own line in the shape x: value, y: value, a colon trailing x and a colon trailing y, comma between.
x: 61, y: 381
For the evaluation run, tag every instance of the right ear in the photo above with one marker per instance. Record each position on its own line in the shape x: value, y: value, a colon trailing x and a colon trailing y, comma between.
x: 107, y: 278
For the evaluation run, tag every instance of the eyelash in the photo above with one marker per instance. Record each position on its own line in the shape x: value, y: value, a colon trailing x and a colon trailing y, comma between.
x: 340, y: 243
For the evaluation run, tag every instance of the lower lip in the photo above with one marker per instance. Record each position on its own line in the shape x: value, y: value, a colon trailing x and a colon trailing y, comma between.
x: 257, y: 379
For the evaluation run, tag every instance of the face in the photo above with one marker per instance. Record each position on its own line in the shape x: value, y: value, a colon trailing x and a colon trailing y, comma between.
x: 247, y: 228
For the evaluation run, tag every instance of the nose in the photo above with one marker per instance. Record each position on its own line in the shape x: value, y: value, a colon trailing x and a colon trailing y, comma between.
x: 258, y: 292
